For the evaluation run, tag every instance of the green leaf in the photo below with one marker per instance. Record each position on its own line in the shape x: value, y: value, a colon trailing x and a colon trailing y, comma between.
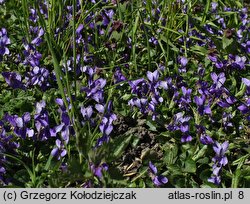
x: 170, y: 155
x: 175, y: 170
x: 236, y: 178
x: 118, y: 146
x: 151, y: 126
x: 199, y: 49
x: 226, y: 42
x: 174, y: 48
x: 201, y: 153
x: 48, y: 163
x: 115, y: 35
x: 22, y: 176
x: 240, y: 161
x: 190, y: 166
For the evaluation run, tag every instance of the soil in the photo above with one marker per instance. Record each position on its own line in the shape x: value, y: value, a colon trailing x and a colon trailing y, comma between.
x: 146, y: 146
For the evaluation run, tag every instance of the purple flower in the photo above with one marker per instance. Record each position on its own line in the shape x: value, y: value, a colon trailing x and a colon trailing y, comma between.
x: 20, y: 124
x: 219, y: 160
x: 13, y: 79
x: 186, y: 138
x: 220, y: 150
x: 39, y: 32
x: 87, y: 112
x: 33, y: 15
x: 243, y: 108
x: 79, y: 37
x: 213, y: 57
x: 95, y: 90
x: 65, y: 128
x: 107, y: 16
x: 79, y: 29
x: 59, y: 151
x: 153, y: 40
x: 39, y: 76
x: 246, y: 81
x: 215, y: 179
x: 140, y: 86
x: 183, y: 61
x: 118, y: 76
x: 219, y: 79
x: 97, y: 170
x: 226, y: 120
x: 42, y: 121
x: 152, y: 168
x: 158, y: 180
x: 153, y: 76
x: 202, y: 108
x: 238, y: 62
x: 185, y: 99
x: 106, y: 125
x: 206, y: 140
x: 4, y: 41
x: 32, y: 56
x: 246, y: 46
x: 214, y: 6
x: 229, y: 101
x: 140, y: 103
x: 7, y: 145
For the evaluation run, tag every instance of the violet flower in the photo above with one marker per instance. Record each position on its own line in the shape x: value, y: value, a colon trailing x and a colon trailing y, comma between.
x: 107, y: 16
x: 65, y: 128
x: 41, y: 118
x: 219, y: 160
x: 184, y: 128
x: 218, y: 80
x: 39, y: 76
x: 106, y: 125
x: 230, y: 100
x: 79, y: 37
x: 142, y: 104
x: 202, y: 108
x: 118, y: 76
x: 97, y: 170
x: 7, y: 145
x: 38, y: 32
x: 14, y: 80
x: 59, y: 151
x: 140, y: 86
x: 95, y: 90
x: 178, y: 119
x: 183, y: 62
x: 32, y: 56
x: 185, y: 99
x: 238, y: 62
x: 4, y: 41
x: 153, y: 40
x: 247, y: 83
x: 158, y: 180
x: 87, y: 112
x: 20, y: 124
x: 204, y: 138
x: 214, y: 6
x: 153, y: 76
x: 226, y: 117
x: 215, y: 179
